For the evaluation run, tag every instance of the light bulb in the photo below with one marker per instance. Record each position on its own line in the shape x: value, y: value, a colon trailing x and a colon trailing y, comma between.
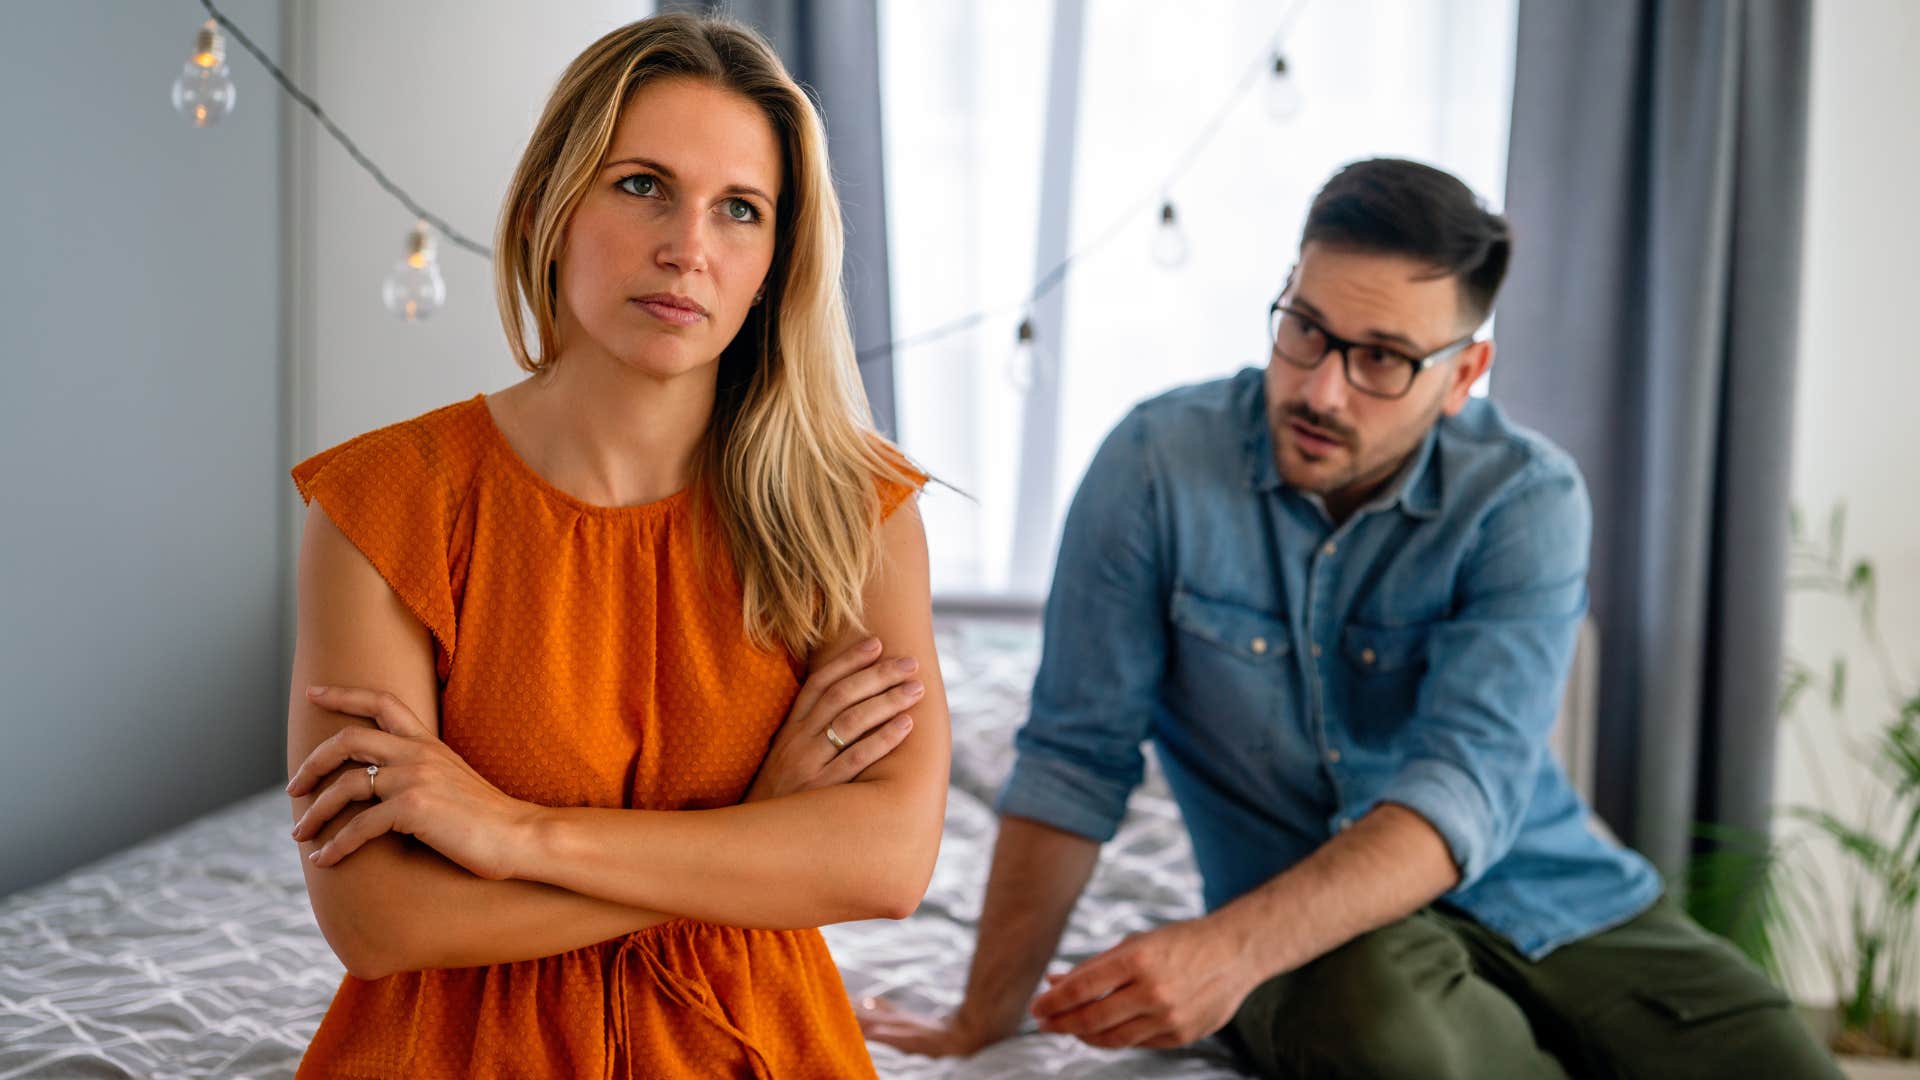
x: 1030, y: 363
x: 204, y: 93
x: 1023, y: 366
x: 414, y: 288
x: 1169, y: 239
x: 1283, y: 93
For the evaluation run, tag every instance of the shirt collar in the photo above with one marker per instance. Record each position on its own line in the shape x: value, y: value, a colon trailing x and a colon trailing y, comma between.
x: 1415, y: 489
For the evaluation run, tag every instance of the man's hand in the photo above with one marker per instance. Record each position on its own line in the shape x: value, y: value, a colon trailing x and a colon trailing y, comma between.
x: 1160, y: 989
x: 948, y: 1036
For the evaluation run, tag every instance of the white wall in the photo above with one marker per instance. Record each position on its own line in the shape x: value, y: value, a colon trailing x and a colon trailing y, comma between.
x: 140, y: 329
x: 442, y: 94
x: 1855, y: 440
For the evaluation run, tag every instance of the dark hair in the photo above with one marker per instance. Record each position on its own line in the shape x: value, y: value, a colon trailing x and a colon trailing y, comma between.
x: 1398, y: 207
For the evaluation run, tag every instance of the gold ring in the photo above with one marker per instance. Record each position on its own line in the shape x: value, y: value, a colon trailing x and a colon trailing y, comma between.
x: 834, y: 738
x: 372, y: 771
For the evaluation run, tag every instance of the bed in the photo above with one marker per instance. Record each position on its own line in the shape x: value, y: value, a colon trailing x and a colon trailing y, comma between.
x: 195, y: 954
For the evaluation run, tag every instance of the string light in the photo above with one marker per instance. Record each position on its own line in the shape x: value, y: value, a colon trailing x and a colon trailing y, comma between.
x: 1169, y: 239
x: 1261, y: 65
x: 1283, y: 91
x: 204, y: 92
x: 439, y: 224
x: 414, y: 288
x: 1170, y: 243
x: 1030, y: 362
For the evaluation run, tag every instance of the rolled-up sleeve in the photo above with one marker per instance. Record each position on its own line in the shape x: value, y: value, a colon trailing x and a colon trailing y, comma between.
x: 1104, y: 649
x: 1496, y: 669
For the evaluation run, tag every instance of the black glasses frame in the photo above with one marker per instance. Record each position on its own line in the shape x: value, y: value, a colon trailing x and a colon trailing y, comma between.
x: 1336, y: 343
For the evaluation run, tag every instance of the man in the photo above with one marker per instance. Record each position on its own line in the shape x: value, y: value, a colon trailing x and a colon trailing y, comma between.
x: 1341, y: 596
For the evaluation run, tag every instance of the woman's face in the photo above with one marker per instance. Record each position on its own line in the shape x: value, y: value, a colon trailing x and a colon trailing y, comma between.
x: 668, y: 248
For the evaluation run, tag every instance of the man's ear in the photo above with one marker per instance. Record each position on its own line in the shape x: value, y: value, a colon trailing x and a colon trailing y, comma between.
x: 1474, y: 361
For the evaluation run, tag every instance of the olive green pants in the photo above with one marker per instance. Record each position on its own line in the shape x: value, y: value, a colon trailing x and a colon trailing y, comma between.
x: 1436, y: 995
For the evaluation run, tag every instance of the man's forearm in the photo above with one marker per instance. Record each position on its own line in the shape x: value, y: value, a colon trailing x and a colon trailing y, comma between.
x: 1037, y: 876
x: 1388, y: 865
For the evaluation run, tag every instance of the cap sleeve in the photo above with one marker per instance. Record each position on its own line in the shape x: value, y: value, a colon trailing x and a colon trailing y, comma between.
x: 894, y: 493
x: 392, y: 492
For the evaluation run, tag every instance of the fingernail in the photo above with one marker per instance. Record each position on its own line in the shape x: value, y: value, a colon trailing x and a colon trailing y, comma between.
x: 316, y: 691
x: 872, y: 644
x: 290, y: 785
x: 906, y: 724
x: 905, y: 664
x: 314, y: 855
x: 915, y: 688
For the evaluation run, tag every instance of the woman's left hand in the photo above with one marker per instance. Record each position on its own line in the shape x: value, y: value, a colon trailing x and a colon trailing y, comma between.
x: 422, y: 788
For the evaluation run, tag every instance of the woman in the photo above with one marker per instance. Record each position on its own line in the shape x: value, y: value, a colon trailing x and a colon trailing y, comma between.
x: 619, y: 627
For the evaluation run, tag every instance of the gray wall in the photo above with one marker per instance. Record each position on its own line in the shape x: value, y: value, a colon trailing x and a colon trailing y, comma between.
x: 142, y: 679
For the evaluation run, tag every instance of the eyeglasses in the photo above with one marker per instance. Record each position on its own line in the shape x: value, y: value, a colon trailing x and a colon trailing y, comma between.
x: 1375, y: 370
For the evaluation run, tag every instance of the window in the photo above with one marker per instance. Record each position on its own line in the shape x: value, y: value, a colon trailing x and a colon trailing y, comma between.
x: 966, y: 95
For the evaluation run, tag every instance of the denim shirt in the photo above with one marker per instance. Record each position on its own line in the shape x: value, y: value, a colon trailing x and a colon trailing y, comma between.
x: 1294, y: 673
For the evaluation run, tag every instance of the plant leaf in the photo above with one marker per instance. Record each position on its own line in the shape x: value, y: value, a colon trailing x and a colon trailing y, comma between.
x: 1836, y: 530
x: 1733, y: 889
x: 1868, y: 849
x: 1862, y: 588
x: 1794, y: 681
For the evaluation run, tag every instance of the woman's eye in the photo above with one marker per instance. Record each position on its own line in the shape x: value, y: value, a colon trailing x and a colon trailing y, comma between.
x: 742, y: 210
x: 638, y: 184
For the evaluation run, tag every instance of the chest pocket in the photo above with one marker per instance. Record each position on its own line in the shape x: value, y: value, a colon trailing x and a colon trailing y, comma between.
x: 1228, y: 673
x: 1385, y: 665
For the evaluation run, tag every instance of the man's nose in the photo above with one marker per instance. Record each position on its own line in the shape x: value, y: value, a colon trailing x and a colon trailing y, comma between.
x: 1326, y: 388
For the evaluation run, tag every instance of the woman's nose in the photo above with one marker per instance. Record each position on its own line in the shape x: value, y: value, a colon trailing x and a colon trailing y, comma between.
x: 684, y: 247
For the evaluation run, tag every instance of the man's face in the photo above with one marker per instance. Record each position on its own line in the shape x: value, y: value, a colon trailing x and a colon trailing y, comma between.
x: 1330, y: 438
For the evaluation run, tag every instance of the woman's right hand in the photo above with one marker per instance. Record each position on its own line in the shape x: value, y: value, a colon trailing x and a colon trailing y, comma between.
x: 864, y: 698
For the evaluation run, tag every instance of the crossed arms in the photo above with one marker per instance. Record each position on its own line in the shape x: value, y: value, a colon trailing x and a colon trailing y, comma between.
x: 486, y: 881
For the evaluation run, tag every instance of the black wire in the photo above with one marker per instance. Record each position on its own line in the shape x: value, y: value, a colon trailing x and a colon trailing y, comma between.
x: 1053, y: 278
x: 340, y: 136
x: 1047, y: 282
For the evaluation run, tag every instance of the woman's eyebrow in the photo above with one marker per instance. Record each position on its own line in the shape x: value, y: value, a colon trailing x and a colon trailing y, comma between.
x: 666, y: 173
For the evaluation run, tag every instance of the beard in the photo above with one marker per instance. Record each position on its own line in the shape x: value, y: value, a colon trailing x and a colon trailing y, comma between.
x: 1319, y: 471
x: 1350, y: 469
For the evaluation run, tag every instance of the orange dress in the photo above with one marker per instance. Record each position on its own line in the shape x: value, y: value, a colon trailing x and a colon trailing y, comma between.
x: 587, y: 656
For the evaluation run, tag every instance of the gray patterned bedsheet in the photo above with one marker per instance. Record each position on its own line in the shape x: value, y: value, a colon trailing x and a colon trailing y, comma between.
x: 195, y: 954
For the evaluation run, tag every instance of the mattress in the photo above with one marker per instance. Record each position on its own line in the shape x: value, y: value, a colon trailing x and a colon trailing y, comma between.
x: 195, y: 954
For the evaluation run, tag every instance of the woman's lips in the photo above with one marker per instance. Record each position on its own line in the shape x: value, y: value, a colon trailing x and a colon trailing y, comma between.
x: 671, y: 314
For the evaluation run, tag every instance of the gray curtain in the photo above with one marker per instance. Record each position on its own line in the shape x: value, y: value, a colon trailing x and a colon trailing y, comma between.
x: 833, y: 47
x: 1655, y: 182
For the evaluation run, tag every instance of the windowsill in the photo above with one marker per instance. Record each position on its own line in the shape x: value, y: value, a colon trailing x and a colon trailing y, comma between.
x: 989, y: 605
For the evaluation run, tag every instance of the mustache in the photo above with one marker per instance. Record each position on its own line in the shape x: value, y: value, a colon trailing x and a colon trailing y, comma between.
x: 1295, y: 410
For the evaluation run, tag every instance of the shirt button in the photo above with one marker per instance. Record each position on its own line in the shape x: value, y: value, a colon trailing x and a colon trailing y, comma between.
x: 1258, y: 645
x: 1333, y: 757
x: 1316, y: 649
x: 1366, y: 656
x: 1330, y: 548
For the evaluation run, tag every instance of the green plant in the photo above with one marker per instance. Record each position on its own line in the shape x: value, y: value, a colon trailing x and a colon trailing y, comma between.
x: 1767, y: 894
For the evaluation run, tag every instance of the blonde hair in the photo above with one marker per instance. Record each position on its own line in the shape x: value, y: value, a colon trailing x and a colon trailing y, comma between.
x: 790, y: 462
